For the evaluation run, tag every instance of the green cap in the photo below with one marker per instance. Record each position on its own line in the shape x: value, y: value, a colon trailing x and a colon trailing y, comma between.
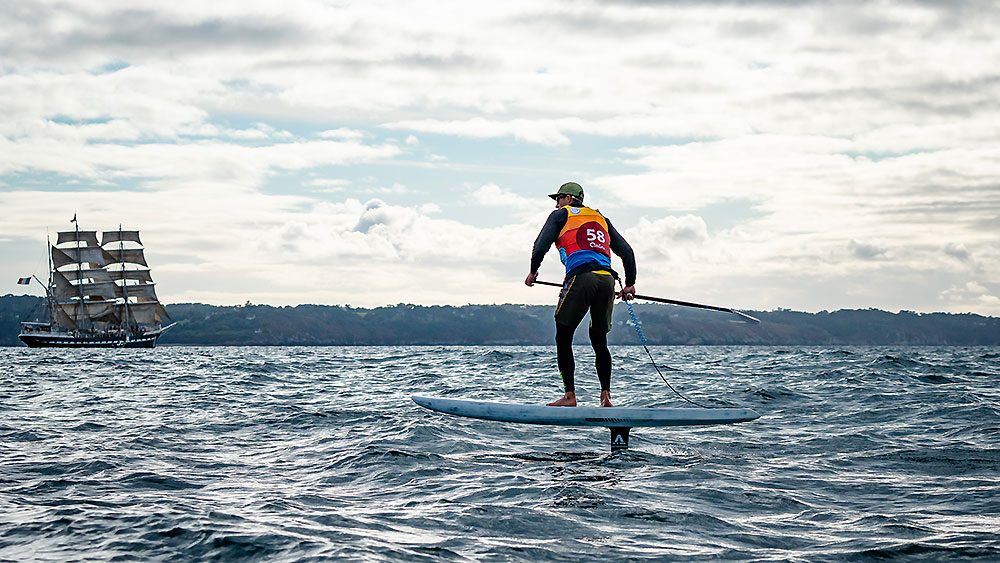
x: 569, y: 188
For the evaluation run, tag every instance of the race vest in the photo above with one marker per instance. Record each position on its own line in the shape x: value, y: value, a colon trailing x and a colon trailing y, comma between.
x: 584, y: 238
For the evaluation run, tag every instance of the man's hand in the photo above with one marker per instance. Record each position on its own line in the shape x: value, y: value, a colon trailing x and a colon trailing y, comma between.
x: 628, y: 293
x: 530, y: 280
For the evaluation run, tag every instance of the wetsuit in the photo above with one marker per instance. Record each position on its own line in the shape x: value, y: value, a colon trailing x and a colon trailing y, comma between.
x: 585, y: 240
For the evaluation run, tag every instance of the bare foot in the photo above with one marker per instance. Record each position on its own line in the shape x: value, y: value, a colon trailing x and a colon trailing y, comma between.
x: 567, y: 400
x: 606, y: 399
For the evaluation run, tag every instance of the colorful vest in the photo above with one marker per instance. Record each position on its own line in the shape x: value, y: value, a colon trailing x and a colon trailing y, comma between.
x: 584, y: 238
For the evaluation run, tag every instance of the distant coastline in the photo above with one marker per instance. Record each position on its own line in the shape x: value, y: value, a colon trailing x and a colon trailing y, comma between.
x: 404, y: 324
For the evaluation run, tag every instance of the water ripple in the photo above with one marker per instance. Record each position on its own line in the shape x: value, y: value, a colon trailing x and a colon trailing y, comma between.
x: 294, y: 454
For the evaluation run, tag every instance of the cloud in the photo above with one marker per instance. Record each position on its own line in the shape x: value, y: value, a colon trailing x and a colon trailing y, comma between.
x: 973, y: 295
x: 238, y: 164
x: 665, y: 244
x: 88, y: 31
x: 328, y: 185
x: 866, y: 251
x: 686, y: 230
x: 817, y: 199
x: 957, y: 251
x: 261, y: 131
x: 265, y: 61
x: 492, y: 195
x: 532, y: 131
x: 863, y: 136
x: 396, y: 188
x: 378, y: 232
x: 342, y: 133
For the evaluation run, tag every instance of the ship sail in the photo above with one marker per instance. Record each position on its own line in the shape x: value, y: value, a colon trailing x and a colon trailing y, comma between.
x: 100, y: 287
x: 63, y: 289
x: 141, y: 292
x: 131, y: 256
x: 95, y: 274
x: 148, y: 313
x: 88, y: 238
x: 137, y: 275
x: 93, y: 310
x: 61, y: 319
x: 119, y: 236
x: 95, y: 256
x: 99, y: 290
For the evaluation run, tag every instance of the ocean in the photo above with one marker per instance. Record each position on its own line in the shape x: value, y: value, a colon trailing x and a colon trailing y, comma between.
x: 293, y: 454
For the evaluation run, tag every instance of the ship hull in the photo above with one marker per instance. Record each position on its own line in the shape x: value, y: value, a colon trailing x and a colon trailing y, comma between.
x: 89, y: 341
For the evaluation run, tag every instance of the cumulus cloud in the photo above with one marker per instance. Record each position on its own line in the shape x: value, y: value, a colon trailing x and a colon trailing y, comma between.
x: 379, y: 232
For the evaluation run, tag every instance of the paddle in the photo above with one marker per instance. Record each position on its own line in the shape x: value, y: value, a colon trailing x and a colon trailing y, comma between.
x: 676, y: 302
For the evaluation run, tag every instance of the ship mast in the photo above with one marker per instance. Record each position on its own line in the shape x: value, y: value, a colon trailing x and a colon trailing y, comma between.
x: 79, y: 268
x: 121, y: 260
x: 49, y: 290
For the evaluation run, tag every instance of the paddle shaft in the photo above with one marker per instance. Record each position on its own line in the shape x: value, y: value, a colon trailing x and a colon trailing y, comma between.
x: 674, y: 302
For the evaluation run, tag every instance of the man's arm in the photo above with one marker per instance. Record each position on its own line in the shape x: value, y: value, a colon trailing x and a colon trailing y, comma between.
x: 621, y: 247
x: 546, y: 237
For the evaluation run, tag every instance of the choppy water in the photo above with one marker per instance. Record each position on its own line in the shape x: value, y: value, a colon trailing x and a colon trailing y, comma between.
x: 299, y: 453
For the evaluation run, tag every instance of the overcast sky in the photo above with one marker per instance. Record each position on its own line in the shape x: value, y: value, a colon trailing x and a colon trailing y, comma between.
x: 808, y: 155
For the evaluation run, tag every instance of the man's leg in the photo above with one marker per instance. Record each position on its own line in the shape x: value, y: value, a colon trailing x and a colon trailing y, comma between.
x: 600, y: 325
x: 569, y: 312
x: 602, y: 355
x: 567, y: 365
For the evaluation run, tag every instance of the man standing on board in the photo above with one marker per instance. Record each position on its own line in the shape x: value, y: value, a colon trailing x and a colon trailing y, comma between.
x: 585, y: 240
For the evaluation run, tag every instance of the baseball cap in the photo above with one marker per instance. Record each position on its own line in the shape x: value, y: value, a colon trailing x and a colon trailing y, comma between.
x: 569, y: 188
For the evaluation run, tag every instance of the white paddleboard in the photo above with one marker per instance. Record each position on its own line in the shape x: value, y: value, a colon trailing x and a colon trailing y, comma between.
x: 585, y: 416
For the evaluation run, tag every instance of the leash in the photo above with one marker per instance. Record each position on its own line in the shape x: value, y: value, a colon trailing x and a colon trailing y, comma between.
x: 643, y: 341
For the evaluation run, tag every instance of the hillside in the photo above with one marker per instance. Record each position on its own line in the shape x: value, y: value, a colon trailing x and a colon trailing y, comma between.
x: 402, y: 324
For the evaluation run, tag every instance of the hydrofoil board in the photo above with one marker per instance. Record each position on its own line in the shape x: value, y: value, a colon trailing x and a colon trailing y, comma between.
x: 610, y: 417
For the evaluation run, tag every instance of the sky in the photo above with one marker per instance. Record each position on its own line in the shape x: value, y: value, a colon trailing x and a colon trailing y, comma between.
x: 760, y: 155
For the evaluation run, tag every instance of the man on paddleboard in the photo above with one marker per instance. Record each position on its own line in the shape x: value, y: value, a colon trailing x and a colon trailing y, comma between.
x: 585, y: 240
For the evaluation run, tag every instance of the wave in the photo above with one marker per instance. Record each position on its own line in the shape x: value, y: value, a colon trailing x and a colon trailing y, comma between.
x: 318, y: 453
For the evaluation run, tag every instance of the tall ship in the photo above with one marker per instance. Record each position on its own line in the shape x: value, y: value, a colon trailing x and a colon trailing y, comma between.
x: 99, y: 294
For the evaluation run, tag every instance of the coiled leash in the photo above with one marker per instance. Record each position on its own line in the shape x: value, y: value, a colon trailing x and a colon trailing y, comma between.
x: 643, y: 341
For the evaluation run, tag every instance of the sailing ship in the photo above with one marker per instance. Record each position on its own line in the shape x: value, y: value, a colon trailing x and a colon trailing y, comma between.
x: 100, y: 294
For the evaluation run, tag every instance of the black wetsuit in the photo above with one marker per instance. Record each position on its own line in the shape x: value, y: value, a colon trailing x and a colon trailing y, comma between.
x: 583, y: 290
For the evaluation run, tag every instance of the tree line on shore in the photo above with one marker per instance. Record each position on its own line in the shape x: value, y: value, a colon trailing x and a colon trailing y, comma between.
x: 405, y: 324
